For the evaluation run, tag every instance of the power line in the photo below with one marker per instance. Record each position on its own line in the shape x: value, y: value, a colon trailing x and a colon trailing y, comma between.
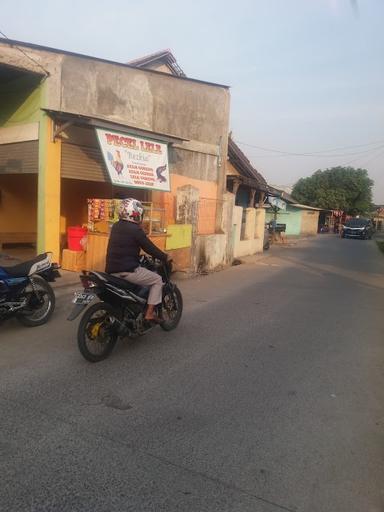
x: 319, y: 155
x: 315, y: 153
x: 371, y: 158
x: 26, y: 54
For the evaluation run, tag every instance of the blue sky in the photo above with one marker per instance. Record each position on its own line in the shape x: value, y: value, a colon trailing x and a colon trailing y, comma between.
x: 306, y: 76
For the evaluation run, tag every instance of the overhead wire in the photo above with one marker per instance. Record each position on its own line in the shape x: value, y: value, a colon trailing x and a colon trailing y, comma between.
x: 25, y: 54
x: 322, y: 153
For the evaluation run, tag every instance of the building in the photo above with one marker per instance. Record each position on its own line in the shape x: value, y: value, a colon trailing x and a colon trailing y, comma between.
x: 53, y: 107
x: 246, y: 193
x: 299, y: 219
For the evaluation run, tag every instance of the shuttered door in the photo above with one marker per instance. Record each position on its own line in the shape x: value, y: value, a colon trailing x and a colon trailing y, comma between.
x: 83, y: 163
x: 19, y: 158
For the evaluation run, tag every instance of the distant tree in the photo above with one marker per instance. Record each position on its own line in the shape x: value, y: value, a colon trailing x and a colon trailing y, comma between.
x: 338, y: 188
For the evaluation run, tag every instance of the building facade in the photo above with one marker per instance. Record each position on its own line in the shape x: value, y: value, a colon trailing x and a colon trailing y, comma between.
x: 51, y: 104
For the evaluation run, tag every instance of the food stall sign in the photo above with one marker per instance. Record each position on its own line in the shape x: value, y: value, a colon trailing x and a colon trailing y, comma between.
x: 133, y: 161
x: 278, y: 203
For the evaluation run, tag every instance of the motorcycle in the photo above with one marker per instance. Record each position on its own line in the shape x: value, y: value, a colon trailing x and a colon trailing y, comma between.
x: 120, y: 312
x: 25, y: 291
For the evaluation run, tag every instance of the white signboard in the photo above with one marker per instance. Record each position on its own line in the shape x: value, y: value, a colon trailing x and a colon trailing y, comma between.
x: 278, y: 203
x: 135, y: 162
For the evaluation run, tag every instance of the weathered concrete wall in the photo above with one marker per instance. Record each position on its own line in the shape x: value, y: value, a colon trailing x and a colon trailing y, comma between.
x: 309, y: 222
x: 211, y: 250
x: 254, y: 231
x: 141, y: 98
x: 193, y: 164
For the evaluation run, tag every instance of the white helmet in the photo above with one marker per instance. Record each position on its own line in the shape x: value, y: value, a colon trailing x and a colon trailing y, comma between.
x: 132, y: 210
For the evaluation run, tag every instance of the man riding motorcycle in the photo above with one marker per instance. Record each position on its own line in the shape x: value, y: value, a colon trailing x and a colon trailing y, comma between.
x: 126, y: 240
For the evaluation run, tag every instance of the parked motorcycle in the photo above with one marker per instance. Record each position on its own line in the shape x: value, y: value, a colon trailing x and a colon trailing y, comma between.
x: 121, y: 310
x: 25, y: 291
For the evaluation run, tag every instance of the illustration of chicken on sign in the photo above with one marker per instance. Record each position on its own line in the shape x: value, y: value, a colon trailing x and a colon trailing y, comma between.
x: 135, y: 162
x: 116, y: 161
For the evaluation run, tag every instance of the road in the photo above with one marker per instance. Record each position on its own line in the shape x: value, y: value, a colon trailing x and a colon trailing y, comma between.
x: 269, y: 397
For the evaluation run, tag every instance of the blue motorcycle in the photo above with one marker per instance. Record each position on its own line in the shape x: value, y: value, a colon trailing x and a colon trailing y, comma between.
x: 25, y: 291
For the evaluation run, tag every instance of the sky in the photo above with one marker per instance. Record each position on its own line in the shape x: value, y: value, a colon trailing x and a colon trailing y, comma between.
x: 306, y: 76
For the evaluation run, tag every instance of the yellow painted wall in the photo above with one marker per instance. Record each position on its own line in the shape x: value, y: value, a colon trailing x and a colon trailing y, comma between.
x: 18, y: 203
x: 48, y: 189
x: 180, y: 236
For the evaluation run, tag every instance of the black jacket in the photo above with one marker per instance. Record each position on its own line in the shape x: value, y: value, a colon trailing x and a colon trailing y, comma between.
x: 125, y: 241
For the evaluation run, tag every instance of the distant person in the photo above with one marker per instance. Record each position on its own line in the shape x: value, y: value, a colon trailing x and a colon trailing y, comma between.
x: 336, y: 227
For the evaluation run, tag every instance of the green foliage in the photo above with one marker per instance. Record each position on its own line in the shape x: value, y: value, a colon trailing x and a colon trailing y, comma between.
x: 338, y: 188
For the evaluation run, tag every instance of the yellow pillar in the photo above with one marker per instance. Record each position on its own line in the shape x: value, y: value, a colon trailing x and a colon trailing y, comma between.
x: 48, y: 209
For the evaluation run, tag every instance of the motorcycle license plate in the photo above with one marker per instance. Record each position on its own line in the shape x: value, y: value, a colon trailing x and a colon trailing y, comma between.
x: 83, y: 298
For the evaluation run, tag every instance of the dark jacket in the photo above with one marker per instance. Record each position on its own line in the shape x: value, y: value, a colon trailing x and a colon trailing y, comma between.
x: 125, y: 241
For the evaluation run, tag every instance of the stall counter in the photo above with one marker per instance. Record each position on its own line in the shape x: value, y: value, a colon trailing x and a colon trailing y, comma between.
x: 97, y: 248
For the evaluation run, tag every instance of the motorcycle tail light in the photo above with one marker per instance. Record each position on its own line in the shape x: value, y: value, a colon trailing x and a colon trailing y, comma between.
x: 87, y: 282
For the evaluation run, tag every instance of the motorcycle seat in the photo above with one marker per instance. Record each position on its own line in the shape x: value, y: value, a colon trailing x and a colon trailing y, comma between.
x: 141, y: 291
x: 27, y: 267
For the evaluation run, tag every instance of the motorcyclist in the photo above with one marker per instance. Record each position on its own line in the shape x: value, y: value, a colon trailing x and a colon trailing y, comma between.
x: 126, y: 240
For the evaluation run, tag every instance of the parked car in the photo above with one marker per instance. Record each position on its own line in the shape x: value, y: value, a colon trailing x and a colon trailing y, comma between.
x: 357, y: 228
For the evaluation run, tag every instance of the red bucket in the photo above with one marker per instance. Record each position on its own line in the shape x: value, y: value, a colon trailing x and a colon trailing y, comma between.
x: 74, y: 235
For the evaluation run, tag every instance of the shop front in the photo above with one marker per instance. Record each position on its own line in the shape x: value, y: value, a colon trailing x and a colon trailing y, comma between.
x: 53, y: 159
x: 99, y: 167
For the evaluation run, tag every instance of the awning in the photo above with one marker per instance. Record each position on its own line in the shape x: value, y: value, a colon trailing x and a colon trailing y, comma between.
x: 67, y: 119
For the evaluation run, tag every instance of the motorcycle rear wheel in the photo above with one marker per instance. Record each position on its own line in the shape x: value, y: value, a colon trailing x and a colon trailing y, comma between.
x: 41, y: 303
x: 97, y: 335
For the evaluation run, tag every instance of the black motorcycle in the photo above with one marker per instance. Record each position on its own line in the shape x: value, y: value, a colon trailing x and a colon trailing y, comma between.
x: 25, y: 291
x: 121, y: 310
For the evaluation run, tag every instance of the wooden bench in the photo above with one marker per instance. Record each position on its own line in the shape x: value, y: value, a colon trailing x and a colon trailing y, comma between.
x: 17, y: 238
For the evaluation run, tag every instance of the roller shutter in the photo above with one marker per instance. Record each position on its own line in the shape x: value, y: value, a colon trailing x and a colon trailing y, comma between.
x: 19, y: 158
x: 82, y: 163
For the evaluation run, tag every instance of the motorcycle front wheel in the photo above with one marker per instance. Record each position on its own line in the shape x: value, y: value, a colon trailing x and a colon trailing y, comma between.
x: 40, y: 303
x: 97, y: 334
x: 172, y: 309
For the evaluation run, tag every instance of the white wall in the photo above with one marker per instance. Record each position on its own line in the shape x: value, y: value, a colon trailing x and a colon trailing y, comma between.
x: 254, y: 231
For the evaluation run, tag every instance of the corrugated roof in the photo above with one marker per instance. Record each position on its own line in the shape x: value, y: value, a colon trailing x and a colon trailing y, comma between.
x: 163, y: 56
x: 243, y: 165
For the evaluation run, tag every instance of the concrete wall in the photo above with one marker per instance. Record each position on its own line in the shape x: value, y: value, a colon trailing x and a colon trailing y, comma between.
x: 145, y: 99
x: 309, y: 222
x: 211, y: 252
x: 254, y: 231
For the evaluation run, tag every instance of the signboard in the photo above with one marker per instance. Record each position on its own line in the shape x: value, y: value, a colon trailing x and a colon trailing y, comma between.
x: 133, y: 161
x: 277, y: 203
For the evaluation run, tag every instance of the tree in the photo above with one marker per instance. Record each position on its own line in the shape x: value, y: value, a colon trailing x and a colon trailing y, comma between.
x: 338, y: 188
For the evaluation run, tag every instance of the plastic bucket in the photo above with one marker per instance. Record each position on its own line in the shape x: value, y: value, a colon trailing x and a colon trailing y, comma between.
x: 74, y: 235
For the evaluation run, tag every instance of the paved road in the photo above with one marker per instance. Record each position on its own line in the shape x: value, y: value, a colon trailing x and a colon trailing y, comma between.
x: 269, y: 397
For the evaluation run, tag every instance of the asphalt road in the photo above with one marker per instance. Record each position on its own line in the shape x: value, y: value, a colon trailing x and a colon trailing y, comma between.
x: 269, y: 397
